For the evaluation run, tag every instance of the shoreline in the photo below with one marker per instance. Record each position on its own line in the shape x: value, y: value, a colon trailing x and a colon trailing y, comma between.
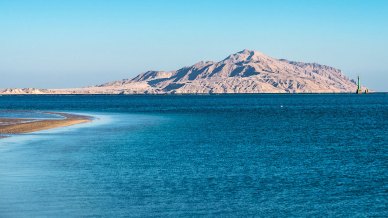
x: 186, y: 94
x: 11, y: 126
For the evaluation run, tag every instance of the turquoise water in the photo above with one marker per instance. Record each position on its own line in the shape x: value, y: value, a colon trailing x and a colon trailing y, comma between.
x: 27, y: 114
x: 227, y: 155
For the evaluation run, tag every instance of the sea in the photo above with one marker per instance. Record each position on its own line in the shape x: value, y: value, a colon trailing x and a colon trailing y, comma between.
x: 264, y: 155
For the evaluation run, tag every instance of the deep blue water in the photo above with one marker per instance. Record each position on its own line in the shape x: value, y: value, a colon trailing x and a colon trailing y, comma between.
x: 227, y: 155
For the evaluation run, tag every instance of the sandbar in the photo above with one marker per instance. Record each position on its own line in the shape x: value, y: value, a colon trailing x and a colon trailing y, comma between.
x: 17, y: 126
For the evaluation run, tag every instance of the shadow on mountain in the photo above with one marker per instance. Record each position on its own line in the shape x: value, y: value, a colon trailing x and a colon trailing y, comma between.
x: 245, y: 71
x: 173, y: 86
x: 180, y: 74
x: 250, y: 71
x: 156, y: 81
x: 216, y: 70
x: 236, y: 71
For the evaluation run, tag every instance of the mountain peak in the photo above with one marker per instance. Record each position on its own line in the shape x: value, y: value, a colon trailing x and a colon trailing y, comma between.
x: 247, y: 51
x: 246, y: 55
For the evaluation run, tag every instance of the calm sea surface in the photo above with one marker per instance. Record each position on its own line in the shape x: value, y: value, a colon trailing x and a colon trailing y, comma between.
x: 227, y: 155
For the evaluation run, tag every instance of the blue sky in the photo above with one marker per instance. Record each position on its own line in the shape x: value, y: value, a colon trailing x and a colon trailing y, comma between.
x: 72, y: 43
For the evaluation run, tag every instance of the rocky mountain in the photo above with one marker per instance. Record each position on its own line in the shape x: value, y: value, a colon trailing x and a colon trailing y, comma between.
x: 246, y: 71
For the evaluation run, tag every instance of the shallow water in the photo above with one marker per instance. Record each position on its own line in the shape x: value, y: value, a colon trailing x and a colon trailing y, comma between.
x: 228, y: 155
x: 27, y: 114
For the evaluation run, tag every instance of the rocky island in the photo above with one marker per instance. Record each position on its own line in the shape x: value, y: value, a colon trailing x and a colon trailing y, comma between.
x: 246, y: 71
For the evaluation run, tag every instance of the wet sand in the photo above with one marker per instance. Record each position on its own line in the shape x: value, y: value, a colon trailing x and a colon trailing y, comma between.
x: 16, y: 126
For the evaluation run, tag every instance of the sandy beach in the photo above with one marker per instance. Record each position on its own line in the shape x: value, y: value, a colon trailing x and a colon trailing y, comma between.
x: 16, y: 126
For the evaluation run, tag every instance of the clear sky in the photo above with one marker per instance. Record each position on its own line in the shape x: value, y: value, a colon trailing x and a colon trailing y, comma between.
x: 73, y: 43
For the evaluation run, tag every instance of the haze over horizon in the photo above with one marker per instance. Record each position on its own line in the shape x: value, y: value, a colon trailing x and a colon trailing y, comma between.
x: 62, y: 44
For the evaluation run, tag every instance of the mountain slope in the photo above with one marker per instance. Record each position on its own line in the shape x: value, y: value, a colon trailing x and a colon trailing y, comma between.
x: 246, y: 71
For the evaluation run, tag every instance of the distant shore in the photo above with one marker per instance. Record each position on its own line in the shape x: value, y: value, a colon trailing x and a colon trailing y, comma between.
x: 188, y: 94
x: 9, y: 126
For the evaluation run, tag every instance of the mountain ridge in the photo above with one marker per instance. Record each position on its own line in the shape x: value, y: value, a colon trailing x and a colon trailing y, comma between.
x: 246, y: 71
